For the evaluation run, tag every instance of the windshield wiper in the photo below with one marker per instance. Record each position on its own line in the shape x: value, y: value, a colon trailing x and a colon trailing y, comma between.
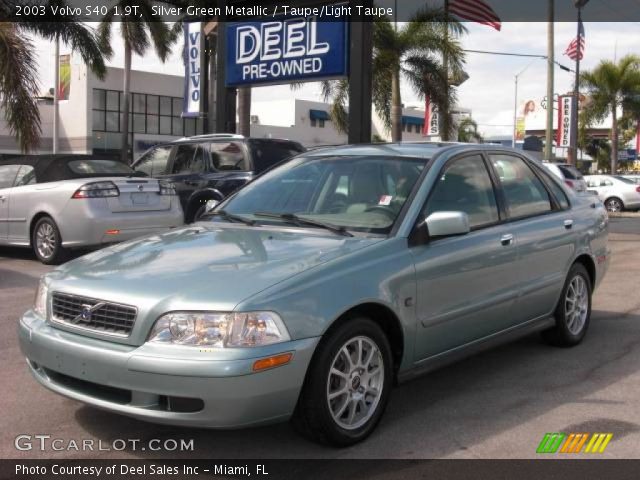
x: 230, y: 217
x: 295, y: 219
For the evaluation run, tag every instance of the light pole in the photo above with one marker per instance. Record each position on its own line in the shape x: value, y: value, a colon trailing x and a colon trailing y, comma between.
x: 573, y: 144
x: 548, y: 147
x: 515, y: 102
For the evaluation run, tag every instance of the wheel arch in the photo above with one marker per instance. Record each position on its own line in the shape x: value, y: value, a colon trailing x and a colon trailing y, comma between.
x: 32, y: 224
x: 207, y: 193
x: 384, y: 317
x: 588, y: 263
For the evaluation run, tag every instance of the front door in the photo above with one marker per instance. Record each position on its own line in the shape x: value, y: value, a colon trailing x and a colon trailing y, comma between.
x: 7, y: 176
x: 466, y: 285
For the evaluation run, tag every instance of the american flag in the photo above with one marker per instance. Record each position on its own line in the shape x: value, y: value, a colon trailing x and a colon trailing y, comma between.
x: 575, y: 50
x: 476, y: 11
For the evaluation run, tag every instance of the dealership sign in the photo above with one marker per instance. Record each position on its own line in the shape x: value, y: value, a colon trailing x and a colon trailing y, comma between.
x: 192, y: 69
x: 565, y: 110
x: 286, y: 49
x: 431, y: 119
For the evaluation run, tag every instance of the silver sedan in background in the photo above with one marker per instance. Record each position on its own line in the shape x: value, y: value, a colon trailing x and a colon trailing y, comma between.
x: 55, y: 203
x: 616, y: 192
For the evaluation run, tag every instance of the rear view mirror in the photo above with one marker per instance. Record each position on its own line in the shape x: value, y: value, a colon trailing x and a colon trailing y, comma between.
x: 445, y: 224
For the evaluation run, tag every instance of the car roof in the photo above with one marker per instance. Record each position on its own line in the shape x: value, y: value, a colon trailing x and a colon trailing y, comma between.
x: 222, y: 137
x: 425, y: 150
x: 51, y: 168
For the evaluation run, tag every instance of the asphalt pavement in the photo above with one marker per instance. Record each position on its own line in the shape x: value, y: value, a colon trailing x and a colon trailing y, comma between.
x: 498, y: 404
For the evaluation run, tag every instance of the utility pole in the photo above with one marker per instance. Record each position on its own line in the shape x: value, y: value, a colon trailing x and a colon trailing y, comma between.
x: 548, y: 148
x: 56, y: 85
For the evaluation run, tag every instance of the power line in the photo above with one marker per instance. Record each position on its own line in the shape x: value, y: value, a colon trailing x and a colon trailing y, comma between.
x: 526, y: 55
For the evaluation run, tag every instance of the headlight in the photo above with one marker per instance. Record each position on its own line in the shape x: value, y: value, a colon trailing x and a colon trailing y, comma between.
x: 40, y: 302
x: 213, y: 329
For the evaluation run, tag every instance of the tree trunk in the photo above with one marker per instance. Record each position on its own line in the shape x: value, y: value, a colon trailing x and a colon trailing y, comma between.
x: 126, y: 89
x: 614, y: 140
x: 244, y: 111
x: 396, y: 107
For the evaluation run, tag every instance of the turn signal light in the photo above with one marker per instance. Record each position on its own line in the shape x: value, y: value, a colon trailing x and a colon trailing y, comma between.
x: 272, y: 362
x: 112, y: 232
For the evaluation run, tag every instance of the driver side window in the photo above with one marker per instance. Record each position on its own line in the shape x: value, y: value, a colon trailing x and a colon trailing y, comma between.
x: 465, y: 186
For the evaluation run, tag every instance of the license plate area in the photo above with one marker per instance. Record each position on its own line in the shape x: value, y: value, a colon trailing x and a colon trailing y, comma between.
x: 139, y: 198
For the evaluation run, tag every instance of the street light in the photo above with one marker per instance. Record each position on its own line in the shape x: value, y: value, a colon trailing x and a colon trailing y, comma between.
x: 515, y: 102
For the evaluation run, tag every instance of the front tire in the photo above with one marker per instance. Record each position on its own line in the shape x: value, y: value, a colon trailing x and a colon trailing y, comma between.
x: 347, y: 386
x: 573, y: 311
x: 47, y: 242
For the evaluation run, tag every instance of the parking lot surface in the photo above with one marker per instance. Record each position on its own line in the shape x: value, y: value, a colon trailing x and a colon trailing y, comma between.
x: 498, y: 404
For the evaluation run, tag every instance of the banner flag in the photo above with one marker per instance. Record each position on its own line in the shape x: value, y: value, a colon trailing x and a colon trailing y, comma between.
x: 431, y: 119
x: 192, y: 69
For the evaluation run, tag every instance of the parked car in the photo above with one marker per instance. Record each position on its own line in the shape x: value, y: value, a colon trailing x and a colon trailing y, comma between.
x: 210, y: 167
x: 56, y: 203
x: 617, y: 193
x: 568, y: 174
x: 311, y: 290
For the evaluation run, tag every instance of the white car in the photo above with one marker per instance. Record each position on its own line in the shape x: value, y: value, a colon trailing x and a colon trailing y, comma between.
x: 616, y: 192
x: 569, y: 174
x: 633, y: 178
x: 53, y: 203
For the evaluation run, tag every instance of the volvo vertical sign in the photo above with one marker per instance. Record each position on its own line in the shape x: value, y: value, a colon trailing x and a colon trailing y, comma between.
x: 192, y: 69
x: 286, y: 49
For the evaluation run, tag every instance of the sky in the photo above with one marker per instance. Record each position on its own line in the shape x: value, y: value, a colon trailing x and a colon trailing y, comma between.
x: 489, y: 91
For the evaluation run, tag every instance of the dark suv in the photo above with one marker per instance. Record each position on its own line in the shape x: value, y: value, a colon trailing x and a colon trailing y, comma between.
x: 210, y: 167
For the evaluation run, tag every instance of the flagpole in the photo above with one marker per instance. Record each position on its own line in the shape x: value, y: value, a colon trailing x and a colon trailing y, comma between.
x: 573, y: 150
x: 444, y: 130
x: 56, y: 94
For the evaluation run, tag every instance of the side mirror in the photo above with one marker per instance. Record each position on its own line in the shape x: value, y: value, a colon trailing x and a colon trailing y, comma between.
x: 210, y: 205
x: 446, y: 224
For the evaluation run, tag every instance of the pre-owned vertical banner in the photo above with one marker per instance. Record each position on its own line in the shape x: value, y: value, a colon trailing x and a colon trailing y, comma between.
x: 193, y: 77
x: 520, y: 129
x: 64, y: 81
x: 431, y: 119
x: 565, y: 110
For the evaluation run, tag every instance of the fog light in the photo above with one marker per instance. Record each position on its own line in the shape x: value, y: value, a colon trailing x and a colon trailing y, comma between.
x: 272, y: 362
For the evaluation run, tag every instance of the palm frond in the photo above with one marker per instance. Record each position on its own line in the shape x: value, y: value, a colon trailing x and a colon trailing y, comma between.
x: 19, y: 87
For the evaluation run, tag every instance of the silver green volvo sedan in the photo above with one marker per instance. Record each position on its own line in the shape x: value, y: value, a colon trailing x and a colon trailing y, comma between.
x: 308, y: 293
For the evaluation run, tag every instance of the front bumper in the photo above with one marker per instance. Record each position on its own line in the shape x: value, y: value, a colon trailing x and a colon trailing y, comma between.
x: 123, y: 379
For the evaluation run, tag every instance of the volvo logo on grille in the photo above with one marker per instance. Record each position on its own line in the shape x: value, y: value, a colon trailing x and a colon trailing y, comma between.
x: 86, y: 312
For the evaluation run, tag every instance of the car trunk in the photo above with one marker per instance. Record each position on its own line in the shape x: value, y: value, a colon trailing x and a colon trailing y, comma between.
x: 138, y: 195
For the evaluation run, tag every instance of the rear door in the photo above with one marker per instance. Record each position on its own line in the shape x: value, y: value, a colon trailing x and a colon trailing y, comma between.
x: 7, y: 176
x: 23, y: 197
x: 543, y: 227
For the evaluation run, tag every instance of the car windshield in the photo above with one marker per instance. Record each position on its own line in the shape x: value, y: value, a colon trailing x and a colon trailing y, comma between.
x: 624, y: 180
x: 100, y: 167
x: 359, y: 193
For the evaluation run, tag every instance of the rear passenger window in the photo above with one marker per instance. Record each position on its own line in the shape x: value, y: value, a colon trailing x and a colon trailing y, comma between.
x: 267, y: 153
x: 557, y: 191
x: 228, y: 156
x: 154, y: 162
x: 26, y: 176
x: 465, y: 186
x: 189, y: 159
x: 523, y: 190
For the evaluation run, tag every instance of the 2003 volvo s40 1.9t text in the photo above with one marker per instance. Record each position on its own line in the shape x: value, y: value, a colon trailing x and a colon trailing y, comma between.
x: 314, y: 288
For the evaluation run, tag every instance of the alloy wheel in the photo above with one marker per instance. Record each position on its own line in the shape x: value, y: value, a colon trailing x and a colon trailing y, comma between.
x: 355, y: 382
x: 614, y: 205
x: 45, y: 240
x: 576, y: 304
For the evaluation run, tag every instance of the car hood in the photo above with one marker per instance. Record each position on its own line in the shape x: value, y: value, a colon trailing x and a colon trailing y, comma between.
x: 204, y: 266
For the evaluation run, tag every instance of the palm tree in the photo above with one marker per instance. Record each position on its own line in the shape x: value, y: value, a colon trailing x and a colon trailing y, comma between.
x: 468, y: 131
x: 19, y: 70
x: 137, y: 37
x: 610, y: 86
x: 411, y: 52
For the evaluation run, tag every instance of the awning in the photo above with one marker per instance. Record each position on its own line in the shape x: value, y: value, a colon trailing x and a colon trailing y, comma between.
x: 408, y: 120
x: 319, y: 115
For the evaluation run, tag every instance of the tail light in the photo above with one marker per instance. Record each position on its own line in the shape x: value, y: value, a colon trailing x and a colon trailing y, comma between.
x: 97, y: 190
x: 167, y: 188
x: 638, y: 189
x: 569, y: 183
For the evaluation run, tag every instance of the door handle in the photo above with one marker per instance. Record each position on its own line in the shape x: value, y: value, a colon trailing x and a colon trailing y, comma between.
x: 506, y: 239
x: 568, y: 224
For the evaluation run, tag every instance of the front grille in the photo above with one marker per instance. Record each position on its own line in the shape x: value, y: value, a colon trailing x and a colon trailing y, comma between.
x: 92, y: 314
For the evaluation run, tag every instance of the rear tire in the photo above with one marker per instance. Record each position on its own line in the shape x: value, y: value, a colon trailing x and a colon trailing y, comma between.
x: 47, y: 242
x: 614, y: 204
x: 347, y: 386
x: 573, y: 311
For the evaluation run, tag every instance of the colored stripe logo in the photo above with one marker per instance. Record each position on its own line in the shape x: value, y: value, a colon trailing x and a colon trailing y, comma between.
x: 574, y: 442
